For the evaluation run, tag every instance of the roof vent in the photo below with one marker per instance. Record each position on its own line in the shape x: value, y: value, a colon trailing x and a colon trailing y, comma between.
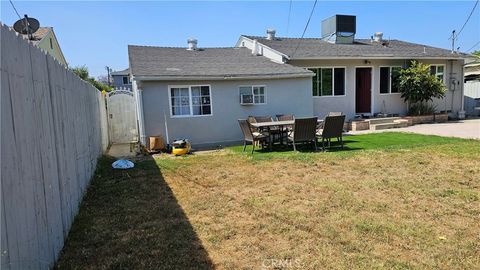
x: 192, y: 44
x: 378, y: 36
x: 271, y: 34
x: 339, y: 29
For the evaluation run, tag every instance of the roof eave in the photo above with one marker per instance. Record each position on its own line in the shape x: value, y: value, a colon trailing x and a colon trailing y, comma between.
x: 277, y: 51
x: 221, y: 77
x: 378, y: 57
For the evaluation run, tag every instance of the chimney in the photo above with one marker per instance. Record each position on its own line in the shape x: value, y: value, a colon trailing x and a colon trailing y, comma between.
x: 378, y: 36
x: 255, y: 47
x: 192, y: 44
x: 271, y: 34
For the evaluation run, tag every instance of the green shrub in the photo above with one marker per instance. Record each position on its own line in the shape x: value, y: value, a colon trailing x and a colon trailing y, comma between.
x: 422, y: 109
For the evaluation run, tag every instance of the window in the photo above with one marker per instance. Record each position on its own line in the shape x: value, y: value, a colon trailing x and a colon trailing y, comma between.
x: 389, y: 77
x: 51, y: 44
x: 328, y: 81
x: 254, y: 94
x: 438, y: 71
x: 126, y: 80
x: 190, y: 100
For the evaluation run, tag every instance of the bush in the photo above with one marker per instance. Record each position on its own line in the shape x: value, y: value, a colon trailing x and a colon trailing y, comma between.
x: 422, y: 109
x: 417, y: 86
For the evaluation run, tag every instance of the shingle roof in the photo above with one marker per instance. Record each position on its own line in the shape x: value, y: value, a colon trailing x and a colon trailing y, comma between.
x: 311, y: 48
x: 205, y: 63
x: 39, y: 34
x: 121, y: 72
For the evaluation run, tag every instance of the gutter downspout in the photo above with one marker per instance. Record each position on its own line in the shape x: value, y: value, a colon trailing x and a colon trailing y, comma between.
x: 140, y: 117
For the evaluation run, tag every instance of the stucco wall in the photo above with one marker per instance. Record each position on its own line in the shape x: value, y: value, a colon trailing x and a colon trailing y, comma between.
x: 386, y: 103
x: 283, y: 96
x: 118, y: 82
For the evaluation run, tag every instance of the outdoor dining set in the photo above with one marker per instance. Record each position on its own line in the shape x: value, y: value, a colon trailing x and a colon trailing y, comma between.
x: 264, y: 131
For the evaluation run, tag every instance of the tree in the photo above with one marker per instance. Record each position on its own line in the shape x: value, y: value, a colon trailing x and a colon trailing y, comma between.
x: 417, y: 86
x: 476, y: 53
x: 82, y: 72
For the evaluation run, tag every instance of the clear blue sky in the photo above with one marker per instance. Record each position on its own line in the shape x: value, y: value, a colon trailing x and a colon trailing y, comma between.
x: 96, y: 33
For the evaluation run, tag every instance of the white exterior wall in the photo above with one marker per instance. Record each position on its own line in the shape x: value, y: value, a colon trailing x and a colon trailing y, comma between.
x: 283, y: 96
x: 386, y: 103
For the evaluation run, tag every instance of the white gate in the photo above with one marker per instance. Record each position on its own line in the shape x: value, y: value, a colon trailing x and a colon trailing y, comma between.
x: 122, y: 122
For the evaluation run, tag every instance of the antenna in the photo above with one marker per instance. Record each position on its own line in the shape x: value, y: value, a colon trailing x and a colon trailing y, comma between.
x: 27, y: 26
x: 453, y: 41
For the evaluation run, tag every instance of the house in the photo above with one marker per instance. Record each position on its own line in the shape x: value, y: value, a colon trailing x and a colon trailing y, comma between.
x: 355, y: 75
x: 45, y: 39
x: 472, y: 88
x: 121, y: 79
x: 200, y: 93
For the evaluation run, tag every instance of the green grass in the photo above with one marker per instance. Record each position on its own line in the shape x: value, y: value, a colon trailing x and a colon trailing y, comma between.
x: 388, y: 201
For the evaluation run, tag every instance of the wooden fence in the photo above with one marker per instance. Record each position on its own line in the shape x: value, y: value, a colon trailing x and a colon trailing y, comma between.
x: 53, y: 129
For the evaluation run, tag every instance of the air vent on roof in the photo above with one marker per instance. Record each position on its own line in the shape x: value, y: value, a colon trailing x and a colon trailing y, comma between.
x: 339, y: 29
x: 271, y: 34
x: 192, y: 44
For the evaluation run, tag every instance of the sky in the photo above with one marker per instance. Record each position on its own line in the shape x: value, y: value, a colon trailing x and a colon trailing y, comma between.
x: 96, y: 33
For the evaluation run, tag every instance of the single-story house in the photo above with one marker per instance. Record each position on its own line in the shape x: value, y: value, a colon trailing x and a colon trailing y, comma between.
x: 472, y: 88
x: 199, y: 93
x: 121, y: 79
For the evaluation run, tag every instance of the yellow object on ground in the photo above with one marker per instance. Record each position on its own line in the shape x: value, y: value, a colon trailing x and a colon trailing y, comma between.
x: 181, y: 147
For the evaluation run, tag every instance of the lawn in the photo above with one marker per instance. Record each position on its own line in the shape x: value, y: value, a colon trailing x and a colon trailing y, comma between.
x: 388, y: 201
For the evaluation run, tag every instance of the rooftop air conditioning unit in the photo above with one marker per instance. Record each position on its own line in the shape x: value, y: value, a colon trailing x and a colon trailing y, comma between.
x: 246, y: 99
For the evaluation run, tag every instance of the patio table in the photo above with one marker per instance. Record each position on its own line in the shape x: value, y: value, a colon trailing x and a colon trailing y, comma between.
x: 279, y: 124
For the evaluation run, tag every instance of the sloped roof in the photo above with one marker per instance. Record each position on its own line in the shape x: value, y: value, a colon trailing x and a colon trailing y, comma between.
x: 227, y: 63
x: 316, y: 48
x: 121, y: 72
x: 39, y: 34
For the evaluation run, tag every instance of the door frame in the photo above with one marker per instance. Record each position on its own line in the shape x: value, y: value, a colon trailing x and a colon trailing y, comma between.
x: 372, y: 87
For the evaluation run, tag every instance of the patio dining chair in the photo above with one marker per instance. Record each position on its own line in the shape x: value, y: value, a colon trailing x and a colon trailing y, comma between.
x: 332, y: 128
x: 252, y: 136
x: 304, y: 131
x: 273, y: 131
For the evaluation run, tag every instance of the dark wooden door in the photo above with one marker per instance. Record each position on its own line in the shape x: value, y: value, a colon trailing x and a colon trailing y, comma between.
x: 363, y: 90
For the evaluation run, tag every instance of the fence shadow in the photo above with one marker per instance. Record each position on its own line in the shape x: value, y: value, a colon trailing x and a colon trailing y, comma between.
x: 131, y: 219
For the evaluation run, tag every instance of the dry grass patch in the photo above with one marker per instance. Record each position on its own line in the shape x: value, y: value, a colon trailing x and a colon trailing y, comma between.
x: 402, y: 207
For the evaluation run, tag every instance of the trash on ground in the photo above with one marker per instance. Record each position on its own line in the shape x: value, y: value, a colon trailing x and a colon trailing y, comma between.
x: 122, y: 164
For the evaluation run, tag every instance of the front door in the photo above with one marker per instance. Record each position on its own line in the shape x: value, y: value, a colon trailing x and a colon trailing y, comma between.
x: 363, y: 90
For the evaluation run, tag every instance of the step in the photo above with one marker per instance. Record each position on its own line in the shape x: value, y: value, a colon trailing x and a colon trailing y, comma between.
x: 401, y: 123
x: 398, y: 123
x: 375, y: 121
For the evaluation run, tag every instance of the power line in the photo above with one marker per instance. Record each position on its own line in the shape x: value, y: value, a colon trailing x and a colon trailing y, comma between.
x: 288, y: 19
x: 469, y: 16
x: 476, y: 44
x: 306, y: 26
x: 14, y: 8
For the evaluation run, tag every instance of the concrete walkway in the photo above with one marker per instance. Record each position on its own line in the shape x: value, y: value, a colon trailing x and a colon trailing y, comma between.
x: 467, y: 129
x: 121, y: 151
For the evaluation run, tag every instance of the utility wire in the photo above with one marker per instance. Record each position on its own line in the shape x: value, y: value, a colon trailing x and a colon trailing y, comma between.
x: 305, y: 30
x: 14, y: 8
x: 476, y: 44
x: 288, y: 19
x: 469, y: 16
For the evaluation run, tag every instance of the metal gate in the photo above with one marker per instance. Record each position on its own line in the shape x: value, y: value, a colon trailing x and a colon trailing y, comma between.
x: 122, y: 123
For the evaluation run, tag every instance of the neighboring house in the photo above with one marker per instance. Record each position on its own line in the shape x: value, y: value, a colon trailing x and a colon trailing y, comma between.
x: 354, y: 76
x: 121, y: 79
x: 199, y: 94
x: 45, y: 39
x: 472, y: 88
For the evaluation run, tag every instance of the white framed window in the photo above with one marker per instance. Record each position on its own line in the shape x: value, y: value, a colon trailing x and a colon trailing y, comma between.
x: 191, y: 100
x: 253, y: 94
x: 389, y: 79
x: 328, y: 81
x: 126, y: 80
x: 438, y: 71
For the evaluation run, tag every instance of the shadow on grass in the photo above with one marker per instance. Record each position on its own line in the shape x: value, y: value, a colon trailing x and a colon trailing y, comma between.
x: 130, y: 219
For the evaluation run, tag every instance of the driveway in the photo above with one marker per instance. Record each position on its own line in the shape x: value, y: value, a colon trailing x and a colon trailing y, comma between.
x: 467, y: 129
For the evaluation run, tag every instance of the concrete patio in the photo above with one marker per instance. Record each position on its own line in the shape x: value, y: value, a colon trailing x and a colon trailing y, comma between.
x: 467, y: 129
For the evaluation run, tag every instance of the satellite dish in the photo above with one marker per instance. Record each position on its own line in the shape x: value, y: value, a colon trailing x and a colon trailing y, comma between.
x: 26, y: 26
